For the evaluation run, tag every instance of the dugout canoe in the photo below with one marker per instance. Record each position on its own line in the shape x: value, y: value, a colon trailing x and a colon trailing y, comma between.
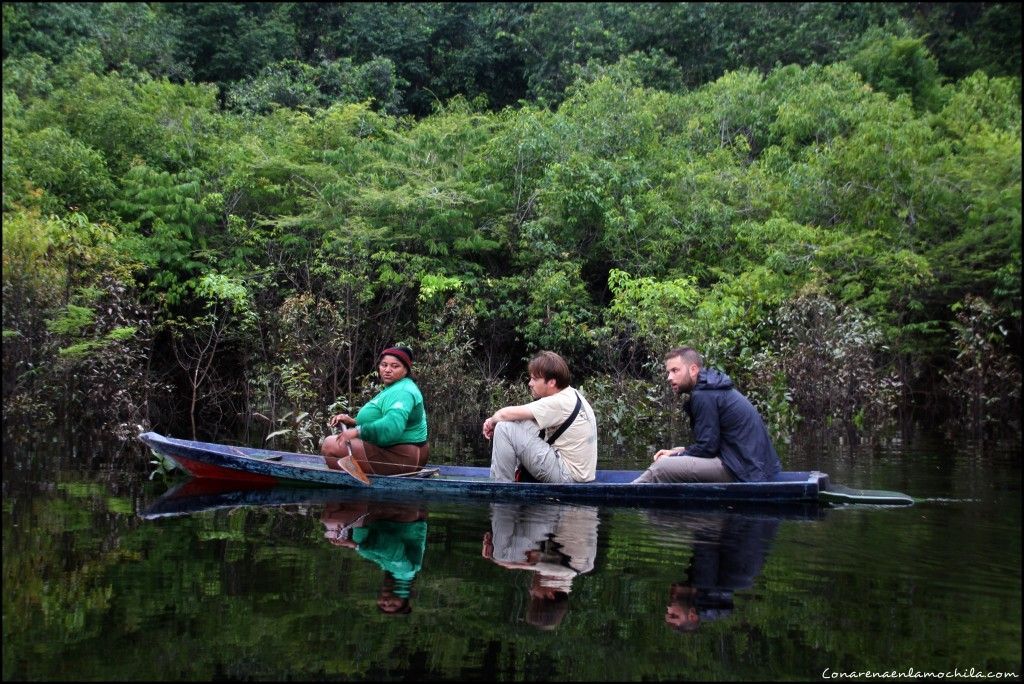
x: 255, y: 468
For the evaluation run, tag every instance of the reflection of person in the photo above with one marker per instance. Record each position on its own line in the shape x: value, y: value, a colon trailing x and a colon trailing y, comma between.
x: 730, y: 440
x: 555, y: 542
x: 729, y: 553
x: 392, y: 536
x: 547, y: 607
x: 567, y: 451
x: 389, y: 434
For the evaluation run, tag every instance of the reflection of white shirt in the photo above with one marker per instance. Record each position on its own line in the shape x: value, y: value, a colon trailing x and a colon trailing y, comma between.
x: 577, y: 446
x: 554, y: 576
x: 519, y: 528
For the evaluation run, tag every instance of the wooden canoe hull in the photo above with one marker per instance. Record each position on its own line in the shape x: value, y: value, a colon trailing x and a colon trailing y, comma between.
x: 255, y: 468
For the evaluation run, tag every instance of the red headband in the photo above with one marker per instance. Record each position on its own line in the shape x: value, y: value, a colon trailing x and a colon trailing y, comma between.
x: 398, y: 354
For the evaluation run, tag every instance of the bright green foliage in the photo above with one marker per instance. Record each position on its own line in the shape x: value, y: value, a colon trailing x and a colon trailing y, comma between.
x: 558, y: 312
x: 981, y: 248
x: 123, y: 333
x: 815, y: 105
x: 124, y: 117
x: 898, y: 65
x: 227, y: 291
x: 72, y: 320
x: 27, y: 239
x: 81, y: 349
x: 182, y: 118
x: 72, y: 174
x: 98, y: 110
x: 656, y: 312
x: 434, y: 287
x: 731, y: 321
x: 979, y: 103
x: 170, y: 226
x: 27, y: 76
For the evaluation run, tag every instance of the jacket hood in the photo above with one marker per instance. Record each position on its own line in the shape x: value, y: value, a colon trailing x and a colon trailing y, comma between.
x: 713, y: 379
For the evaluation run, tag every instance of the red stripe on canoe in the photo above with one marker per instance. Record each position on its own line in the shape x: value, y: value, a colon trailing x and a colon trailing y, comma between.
x: 199, y: 469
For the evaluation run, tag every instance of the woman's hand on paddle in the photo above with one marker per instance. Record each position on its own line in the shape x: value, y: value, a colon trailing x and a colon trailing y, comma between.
x: 348, y: 434
x: 342, y: 419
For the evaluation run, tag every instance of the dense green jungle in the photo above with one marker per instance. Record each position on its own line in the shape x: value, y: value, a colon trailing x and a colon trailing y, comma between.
x: 215, y: 214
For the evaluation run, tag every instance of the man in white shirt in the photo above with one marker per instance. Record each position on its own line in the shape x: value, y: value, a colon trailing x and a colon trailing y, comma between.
x: 567, y: 451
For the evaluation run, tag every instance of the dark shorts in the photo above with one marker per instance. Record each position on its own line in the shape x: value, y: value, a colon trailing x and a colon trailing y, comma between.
x: 396, y: 459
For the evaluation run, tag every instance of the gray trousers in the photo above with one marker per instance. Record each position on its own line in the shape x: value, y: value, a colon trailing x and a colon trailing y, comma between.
x: 686, y: 469
x: 515, y: 443
x: 518, y: 529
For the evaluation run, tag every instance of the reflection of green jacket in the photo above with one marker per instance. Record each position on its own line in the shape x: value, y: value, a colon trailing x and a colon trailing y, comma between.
x: 397, y: 547
x: 395, y: 416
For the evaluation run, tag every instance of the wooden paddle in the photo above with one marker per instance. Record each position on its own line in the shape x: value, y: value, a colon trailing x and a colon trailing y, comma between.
x: 349, y: 464
x: 352, y: 467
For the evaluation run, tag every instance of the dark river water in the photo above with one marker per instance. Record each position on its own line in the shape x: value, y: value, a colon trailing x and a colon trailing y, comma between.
x: 104, y: 580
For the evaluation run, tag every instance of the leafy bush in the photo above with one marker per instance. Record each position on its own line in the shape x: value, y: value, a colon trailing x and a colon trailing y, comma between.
x: 831, y: 358
x: 985, y: 378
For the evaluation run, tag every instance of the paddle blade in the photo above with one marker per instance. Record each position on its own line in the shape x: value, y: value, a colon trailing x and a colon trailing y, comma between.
x: 352, y: 467
x: 839, y: 494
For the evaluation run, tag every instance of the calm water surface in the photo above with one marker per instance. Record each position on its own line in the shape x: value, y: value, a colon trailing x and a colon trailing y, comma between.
x: 104, y: 579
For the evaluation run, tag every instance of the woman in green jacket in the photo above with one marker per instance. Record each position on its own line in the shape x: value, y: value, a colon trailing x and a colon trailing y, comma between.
x: 388, y: 436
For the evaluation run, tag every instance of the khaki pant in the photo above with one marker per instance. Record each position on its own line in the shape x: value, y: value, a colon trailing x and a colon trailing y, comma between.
x: 686, y: 469
x: 516, y: 442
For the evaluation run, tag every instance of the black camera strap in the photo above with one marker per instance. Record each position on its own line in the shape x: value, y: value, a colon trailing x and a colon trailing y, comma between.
x: 568, y: 421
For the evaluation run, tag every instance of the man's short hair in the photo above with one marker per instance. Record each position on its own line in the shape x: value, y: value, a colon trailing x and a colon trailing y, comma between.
x: 550, y: 366
x: 687, y: 354
x: 547, y: 613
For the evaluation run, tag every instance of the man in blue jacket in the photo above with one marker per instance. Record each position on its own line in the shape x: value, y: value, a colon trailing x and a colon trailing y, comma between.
x: 730, y: 443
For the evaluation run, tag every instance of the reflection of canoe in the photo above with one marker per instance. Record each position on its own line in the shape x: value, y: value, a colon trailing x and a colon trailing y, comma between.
x: 264, y: 468
x: 197, y: 495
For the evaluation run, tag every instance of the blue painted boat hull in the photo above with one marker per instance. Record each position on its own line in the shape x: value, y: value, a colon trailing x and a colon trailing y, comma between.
x: 256, y: 468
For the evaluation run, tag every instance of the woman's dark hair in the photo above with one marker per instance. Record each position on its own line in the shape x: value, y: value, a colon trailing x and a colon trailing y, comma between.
x: 393, y: 588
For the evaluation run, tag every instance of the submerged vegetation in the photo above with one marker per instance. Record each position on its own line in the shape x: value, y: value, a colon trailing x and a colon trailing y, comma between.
x: 217, y: 234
